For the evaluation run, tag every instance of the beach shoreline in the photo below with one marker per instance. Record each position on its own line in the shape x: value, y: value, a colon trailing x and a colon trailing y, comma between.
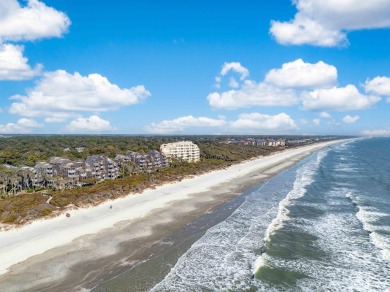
x: 136, y: 222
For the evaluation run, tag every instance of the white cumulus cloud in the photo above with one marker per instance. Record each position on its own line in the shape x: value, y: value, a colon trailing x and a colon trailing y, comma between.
x: 232, y: 67
x: 377, y: 132
x: 303, y: 121
x: 235, y: 67
x: 262, y: 122
x: 350, y: 119
x: 326, y: 23
x: 233, y: 83
x: 253, y: 94
x: 380, y: 85
x: 93, y: 124
x: 325, y: 115
x: 245, y: 123
x: 298, y: 74
x: 13, y: 66
x: 22, y: 126
x: 33, y: 21
x: 182, y: 123
x: 338, y: 99
x: 60, y: 95
x: 316, y: 122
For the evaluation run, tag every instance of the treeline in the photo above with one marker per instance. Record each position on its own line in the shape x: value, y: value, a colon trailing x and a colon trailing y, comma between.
x: 27, y: 150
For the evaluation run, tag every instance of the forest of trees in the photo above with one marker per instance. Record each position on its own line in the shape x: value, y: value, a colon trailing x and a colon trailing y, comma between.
x: 27, y: 150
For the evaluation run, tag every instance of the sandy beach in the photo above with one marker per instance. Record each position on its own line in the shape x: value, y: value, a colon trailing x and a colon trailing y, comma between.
x: 63, y: 253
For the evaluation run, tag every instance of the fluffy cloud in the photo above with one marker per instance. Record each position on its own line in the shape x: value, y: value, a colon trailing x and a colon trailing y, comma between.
x: 338, y: 99
x: 235, y: 67
x: 350, y: 119
x: 33, y: 21
x: 261, y: 122
x: 246, y: 123
x: 298, y: 74
x: 60, y: 95
x: 379, y: 85
x: 312, y: 85
x: 325, y: 115
x: 93, y: 124
x: 13, y: 66
x: 233, y: 83
x: 316, y: 122
x: 182, y: 123
x: 20, y: 127
x: 231, y: 67
x: 303, y: 121
x: 325, y: 23
x: 253, y: 94
x: 377, y: 132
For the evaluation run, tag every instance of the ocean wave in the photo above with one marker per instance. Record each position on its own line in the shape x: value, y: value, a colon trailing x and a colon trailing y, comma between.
x: 304, y: 178
x: 354, y: 261
x: 222, y: 260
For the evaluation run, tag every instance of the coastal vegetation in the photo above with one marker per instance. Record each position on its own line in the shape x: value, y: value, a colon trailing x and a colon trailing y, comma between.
x: 34, y: 203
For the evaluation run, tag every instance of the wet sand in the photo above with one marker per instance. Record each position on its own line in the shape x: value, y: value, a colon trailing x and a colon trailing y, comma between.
x: 127, y: 247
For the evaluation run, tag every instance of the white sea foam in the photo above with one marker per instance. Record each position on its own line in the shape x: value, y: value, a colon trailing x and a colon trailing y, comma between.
x: 355, y: 262
x: 352, y: 263
x: 222, y: 259
x: 303, y: 179
x: 225, y: 257
x: 369, y: 217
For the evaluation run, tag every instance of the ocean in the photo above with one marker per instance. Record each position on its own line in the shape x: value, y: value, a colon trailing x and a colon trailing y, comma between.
x: 322, y: 225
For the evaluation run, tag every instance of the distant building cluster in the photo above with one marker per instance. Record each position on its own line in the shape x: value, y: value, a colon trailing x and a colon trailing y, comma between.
x: 96, y: 167
x: 257, y: 142
x: 184, y: 150
x: 145, y: 162
x: 303, y: 141
x: 78, y: 149
x: 64, y: 173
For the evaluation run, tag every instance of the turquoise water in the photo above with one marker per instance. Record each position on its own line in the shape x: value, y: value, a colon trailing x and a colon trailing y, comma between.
x: 323, y: 225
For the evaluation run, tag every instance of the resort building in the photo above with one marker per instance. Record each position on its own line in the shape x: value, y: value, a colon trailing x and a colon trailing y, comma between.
x: 276, y: 143
x: 146, y: 162
x: 103, y: 167
x: 184, y: 150
x: 43, y: 169
x: 261, y: 142
x: 61, y: 172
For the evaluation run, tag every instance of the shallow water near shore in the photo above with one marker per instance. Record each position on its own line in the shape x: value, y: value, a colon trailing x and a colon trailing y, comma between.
x: 323, y: 225
x: 147, y: 274
x: 165, y: 254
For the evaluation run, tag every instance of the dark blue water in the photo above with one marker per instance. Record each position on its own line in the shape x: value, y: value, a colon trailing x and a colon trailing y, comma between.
x: 323, y: 225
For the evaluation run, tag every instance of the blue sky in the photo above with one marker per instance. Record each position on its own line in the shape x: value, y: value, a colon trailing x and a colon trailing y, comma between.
x: 195, y: 67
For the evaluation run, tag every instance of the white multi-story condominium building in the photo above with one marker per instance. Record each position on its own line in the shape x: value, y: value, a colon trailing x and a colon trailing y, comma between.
x: 184, y: 150
x: 276, y: 143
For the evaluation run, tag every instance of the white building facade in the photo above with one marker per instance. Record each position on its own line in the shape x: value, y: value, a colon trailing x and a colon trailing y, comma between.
x: 184, y: 150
